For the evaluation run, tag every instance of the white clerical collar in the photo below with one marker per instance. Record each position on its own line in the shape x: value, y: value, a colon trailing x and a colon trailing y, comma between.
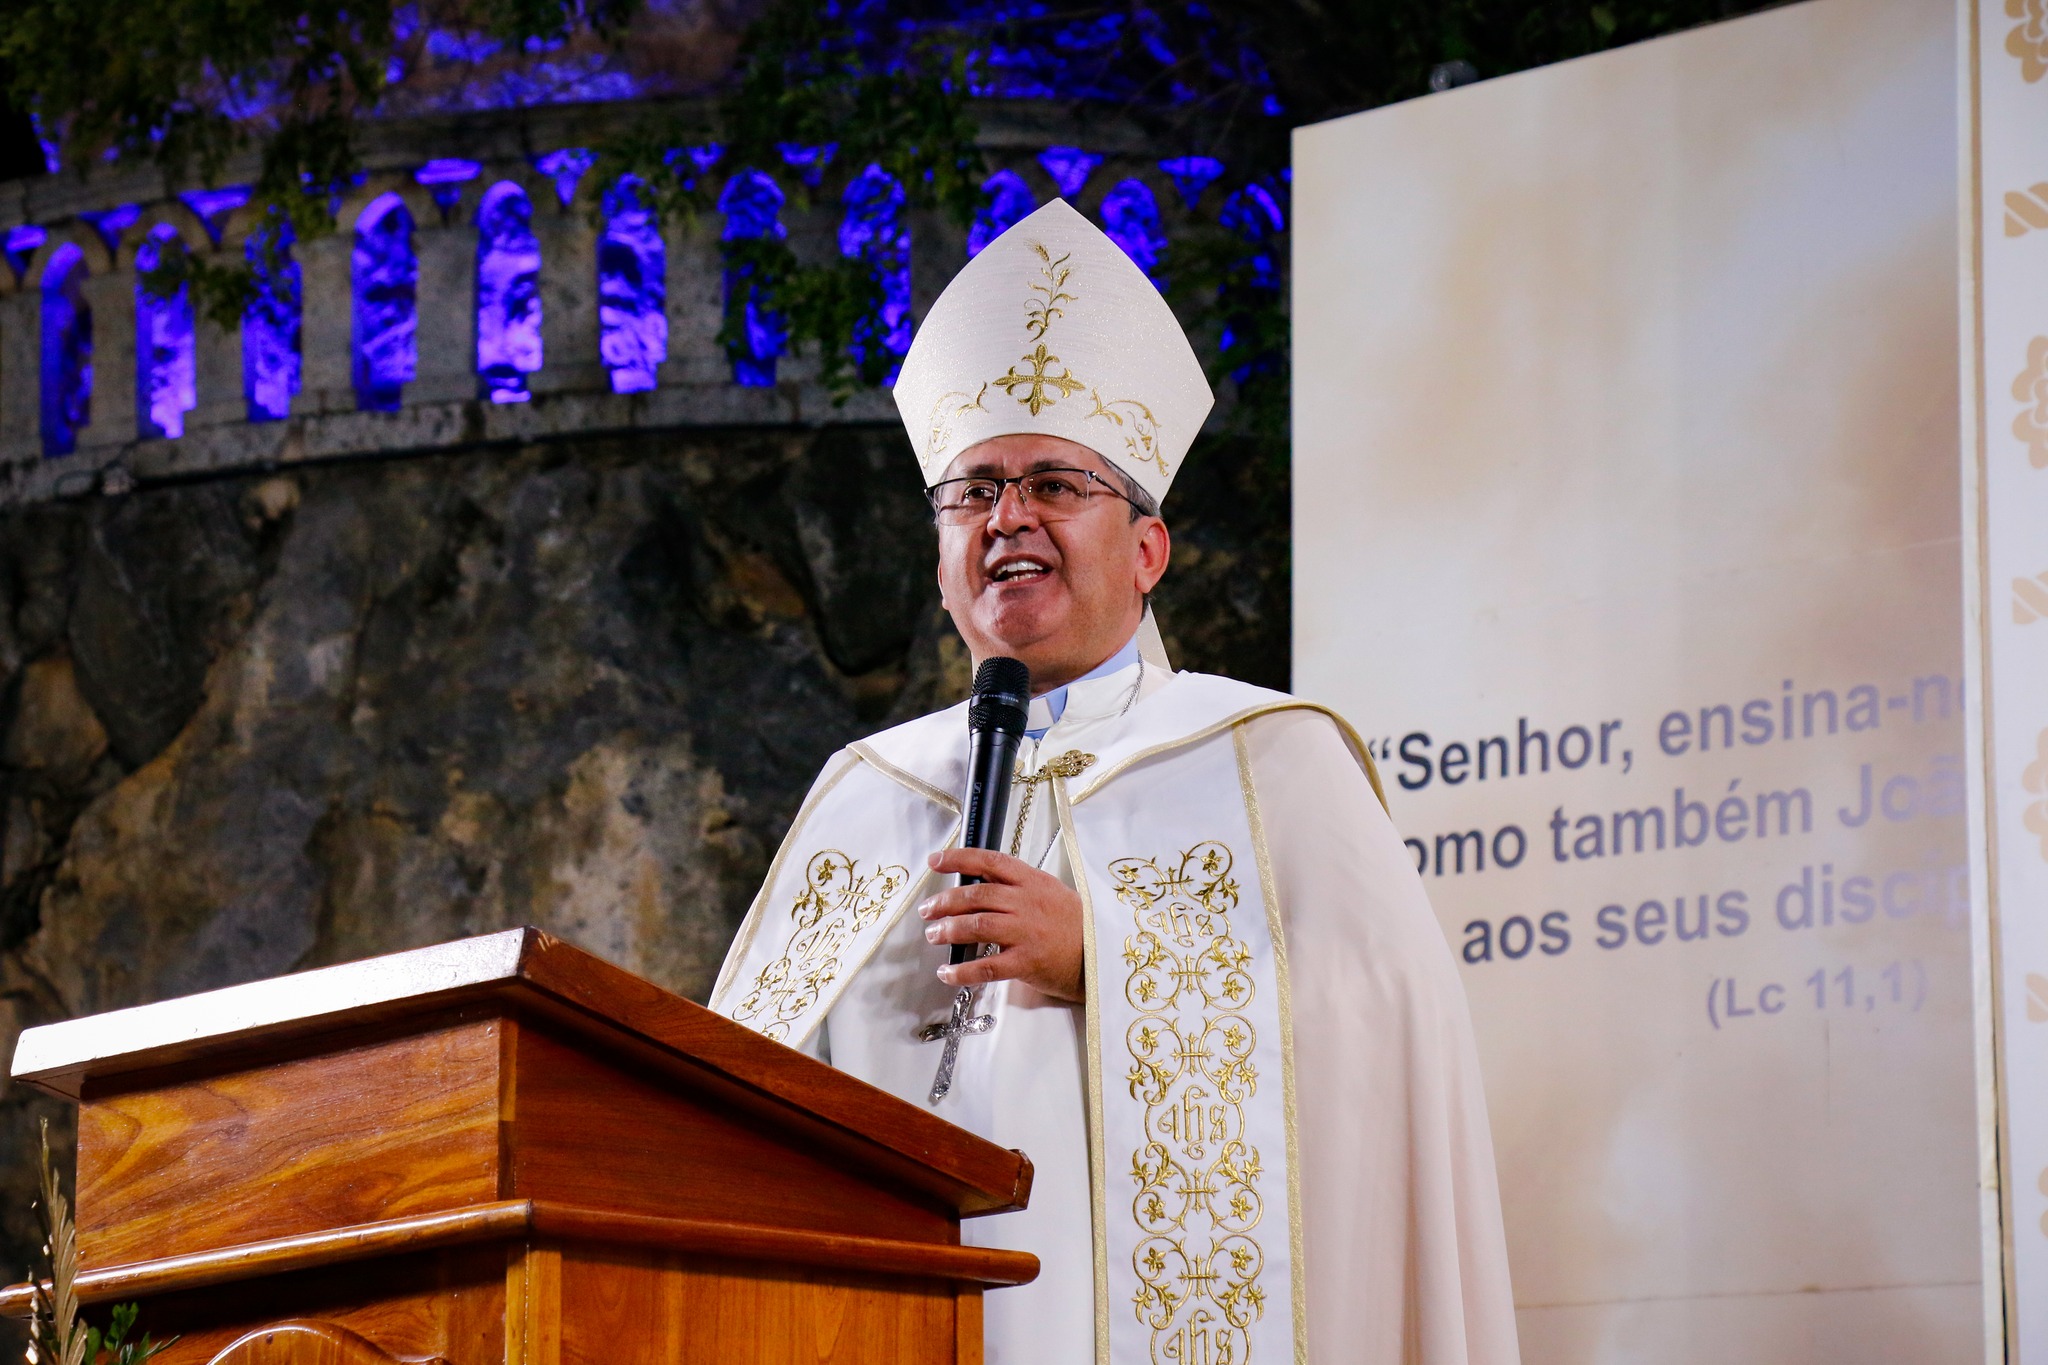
x: 1046, y: 710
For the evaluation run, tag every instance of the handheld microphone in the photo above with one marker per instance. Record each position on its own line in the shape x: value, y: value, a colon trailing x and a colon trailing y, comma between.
x: 996, y: 715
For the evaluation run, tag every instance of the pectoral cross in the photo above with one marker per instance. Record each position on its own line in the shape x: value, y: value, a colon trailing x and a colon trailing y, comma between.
x: 964, y: 1021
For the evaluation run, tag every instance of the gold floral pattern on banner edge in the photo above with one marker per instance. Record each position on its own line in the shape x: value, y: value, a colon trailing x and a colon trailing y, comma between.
x: 1197, y: 1174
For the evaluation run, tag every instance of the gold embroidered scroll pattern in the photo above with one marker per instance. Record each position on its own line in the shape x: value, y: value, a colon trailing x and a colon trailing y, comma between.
x: 1193, y: 1067
x: 950, y: 408
x: 1141, y: 442
x: 836, y: 904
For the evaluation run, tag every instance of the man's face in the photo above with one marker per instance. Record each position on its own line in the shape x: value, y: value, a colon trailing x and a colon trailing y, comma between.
x: 1059, y: 596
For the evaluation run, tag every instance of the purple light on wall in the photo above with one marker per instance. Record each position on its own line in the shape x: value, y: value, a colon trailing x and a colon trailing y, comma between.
x: 632, y: 292
x: 1010, y: 202
x: 1130, y: 218
x: 444, y: 178
x: 565, y: 168
x: 752, y: 205
x: 166, y: 386
x: 385, y: 280
x: 809, y: 163
x: 1069, y: 168
x: 214, y: 206
x: 1253, y: 213
x: 270, y: 331
x: 508, y: 343
x: 111, y: 224
x: 1191, y: 175
x: 67, y: 351
x: 690, y: 164
x: 873, y: 231
x: 52, y: 161
x: 21, y: 243
x: 449, y: 46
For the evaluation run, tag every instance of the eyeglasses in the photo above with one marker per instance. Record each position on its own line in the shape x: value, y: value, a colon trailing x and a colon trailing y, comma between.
x: 1051, y: 494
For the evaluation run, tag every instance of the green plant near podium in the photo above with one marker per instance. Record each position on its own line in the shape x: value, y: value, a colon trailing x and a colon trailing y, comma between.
x: 58, y: 1335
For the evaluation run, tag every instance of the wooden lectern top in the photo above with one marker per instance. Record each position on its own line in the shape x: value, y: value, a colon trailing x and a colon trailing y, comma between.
x: 242, y: 1026
x: 505, y: 1151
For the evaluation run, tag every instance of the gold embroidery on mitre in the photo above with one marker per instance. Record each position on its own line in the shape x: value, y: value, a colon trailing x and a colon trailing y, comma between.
x: 1039, y: 380
x: 1039, y: 313
x: 1040, y: 387
x: 943, y: 417
x: 1141, y: 442
x: 835, y: 906
x: 1192, y: 1051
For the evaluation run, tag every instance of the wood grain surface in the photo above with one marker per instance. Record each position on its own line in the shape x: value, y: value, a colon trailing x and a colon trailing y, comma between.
x: 967, y: 1328
x: 403, y: 1126
x: 685, y: 1312
x: 163, y: 1046
x: 309, y: 1342
x: 739, y: 1070
x: 479, y: 1155
x: 584, y: 1131
x: 448, y: 1304
x: 250, y: 1261
x: 516, y: 1221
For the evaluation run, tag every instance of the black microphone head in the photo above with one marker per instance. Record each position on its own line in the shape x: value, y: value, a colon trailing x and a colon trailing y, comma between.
x: 1002, y: 697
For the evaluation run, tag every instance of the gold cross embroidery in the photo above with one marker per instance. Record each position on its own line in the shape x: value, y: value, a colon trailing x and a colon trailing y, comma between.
x: 1039, y: 381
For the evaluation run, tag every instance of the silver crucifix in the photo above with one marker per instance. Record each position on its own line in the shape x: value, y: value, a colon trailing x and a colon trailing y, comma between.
x: 952, y: 1031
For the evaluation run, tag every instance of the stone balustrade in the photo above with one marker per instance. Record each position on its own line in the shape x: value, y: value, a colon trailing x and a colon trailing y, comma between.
x: 387, y: 357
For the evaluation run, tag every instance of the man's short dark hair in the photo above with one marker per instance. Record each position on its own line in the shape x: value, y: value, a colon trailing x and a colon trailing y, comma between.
x: 1143, y: 504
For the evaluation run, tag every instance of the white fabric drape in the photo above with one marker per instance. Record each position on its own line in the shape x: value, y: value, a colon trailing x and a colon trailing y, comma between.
x: 1404, y: 1256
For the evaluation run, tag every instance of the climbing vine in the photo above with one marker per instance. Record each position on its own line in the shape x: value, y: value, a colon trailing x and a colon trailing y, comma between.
x: 186, y: 85
x: 813, y: 91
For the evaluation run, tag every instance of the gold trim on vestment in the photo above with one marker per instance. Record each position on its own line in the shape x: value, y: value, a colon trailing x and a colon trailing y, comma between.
x: 1195, y: 1052
x: 751, y: 925
x: 909, y: 779
x: 1091, y: 990
x: 888, y: 927
x: 1277, y: 932
x: 1359, y: 750
x: 836, y: 905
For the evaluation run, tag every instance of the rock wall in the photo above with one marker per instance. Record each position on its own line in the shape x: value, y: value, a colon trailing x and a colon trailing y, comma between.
x: 263, y: 723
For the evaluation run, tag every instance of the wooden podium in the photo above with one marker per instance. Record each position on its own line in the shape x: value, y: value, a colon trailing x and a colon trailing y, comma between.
x: 504, y: 1150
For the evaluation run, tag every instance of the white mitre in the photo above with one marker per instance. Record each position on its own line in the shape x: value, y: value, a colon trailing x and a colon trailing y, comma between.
x: 1053, y: 330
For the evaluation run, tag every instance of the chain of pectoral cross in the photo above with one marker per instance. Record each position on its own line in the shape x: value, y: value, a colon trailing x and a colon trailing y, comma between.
x: 963, y: 1020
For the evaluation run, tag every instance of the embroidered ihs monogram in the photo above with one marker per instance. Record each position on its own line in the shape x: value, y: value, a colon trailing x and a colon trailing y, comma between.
x: 1194, y: 1059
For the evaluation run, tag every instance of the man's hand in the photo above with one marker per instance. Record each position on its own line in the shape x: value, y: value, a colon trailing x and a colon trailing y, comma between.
x: 1033, y: 916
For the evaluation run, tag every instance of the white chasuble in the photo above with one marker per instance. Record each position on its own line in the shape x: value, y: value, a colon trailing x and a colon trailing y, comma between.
x: 1262, y: 1139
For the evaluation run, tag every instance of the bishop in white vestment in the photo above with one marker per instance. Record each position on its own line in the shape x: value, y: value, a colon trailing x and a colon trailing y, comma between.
x: 1221, y: 1018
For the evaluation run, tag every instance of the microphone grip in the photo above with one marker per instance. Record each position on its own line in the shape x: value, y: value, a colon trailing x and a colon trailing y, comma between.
x: 992, y: 759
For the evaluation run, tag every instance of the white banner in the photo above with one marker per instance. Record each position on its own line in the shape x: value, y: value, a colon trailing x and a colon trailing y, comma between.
x: 1628, y: 528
